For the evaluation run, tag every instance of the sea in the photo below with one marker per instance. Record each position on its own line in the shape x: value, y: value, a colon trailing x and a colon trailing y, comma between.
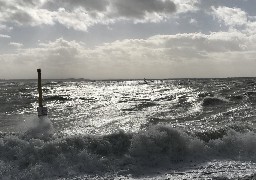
x: 129, y: 129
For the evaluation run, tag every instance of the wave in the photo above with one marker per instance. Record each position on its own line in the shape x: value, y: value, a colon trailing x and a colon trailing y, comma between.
x: 213, y: 101
x: 165, y: 98
x: 56, y: 98
x: 236, y: 97
x: 205, y: 94
x: 251, y: 95
x: 207, y: 136
x: 140, y: 106
x: 30, y: 156
x: 92, y: 99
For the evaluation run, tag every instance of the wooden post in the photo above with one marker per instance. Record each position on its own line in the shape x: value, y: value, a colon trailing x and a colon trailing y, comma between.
x: 42, y: 111
x: 40, y: 98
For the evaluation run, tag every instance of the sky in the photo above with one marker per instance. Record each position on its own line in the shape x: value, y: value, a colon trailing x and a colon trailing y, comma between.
x: 126, y: 39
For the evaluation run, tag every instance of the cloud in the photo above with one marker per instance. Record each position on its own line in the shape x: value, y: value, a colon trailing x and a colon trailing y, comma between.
x: 235, y: 18
x: 79, y: 19
x: 15, y: 44
x: 139, y: 8
x: 117, y: 8
x: 4, y: 36
x: 184, y: 6
x: 88, y: 5
x: 193, y: 21
x: 251, y: 28
x: 5, y: 28
x: 160, y: 56
x: 230, y: 16
x: 24, y: 13
x: 81, y: 14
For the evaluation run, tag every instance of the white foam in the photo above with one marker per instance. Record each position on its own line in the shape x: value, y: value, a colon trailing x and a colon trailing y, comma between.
x: 40, y: 128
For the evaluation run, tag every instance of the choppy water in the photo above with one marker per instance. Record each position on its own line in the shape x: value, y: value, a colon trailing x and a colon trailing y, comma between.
x: 163, y: 129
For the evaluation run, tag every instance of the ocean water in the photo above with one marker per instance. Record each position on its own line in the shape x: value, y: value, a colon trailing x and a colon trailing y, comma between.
x: 162, y: 129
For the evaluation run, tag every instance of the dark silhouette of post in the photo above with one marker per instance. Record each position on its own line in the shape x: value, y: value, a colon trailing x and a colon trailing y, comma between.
x: 40, y: 98
x: 42, y: 111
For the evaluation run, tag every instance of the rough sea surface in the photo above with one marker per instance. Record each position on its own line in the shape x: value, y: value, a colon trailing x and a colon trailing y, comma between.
x: 159, y: 129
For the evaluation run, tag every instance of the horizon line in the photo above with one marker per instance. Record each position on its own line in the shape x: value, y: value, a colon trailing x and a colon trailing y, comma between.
x: 127, y: 79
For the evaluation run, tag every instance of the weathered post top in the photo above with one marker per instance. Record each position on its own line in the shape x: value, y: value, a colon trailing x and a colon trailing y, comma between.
x: 42, y: 111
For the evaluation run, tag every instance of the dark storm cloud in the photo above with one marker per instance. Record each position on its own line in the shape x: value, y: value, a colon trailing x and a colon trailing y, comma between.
x: 81, y: 14
x: 124, y: 8
x: 29, y: 2
x: 138, y: 8
x: 89, y: 5
x: 98, y: 5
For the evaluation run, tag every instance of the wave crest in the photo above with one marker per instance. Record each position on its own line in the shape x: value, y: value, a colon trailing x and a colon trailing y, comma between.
x: 159, y: 146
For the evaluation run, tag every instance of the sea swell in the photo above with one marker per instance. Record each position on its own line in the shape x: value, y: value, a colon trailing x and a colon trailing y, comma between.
x: 28, y: 157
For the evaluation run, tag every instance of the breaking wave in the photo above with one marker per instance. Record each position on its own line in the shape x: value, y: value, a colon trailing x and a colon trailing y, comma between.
x: 33, y: 156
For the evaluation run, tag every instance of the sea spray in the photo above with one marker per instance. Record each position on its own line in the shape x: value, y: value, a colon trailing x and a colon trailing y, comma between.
x: 42, y: 129
x: 159, y: 147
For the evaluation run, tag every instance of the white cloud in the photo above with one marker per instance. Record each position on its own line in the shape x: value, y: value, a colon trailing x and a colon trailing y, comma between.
x: 235, y: 18
x: 180, y: 55
x: 193, y: 21
x: 4, y: 27
x: 5, y: 36
x: 184, y: 6
x: 250, y: 28
x: 15, y: 44
x: 79, y: 19
x: 230, y: 16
